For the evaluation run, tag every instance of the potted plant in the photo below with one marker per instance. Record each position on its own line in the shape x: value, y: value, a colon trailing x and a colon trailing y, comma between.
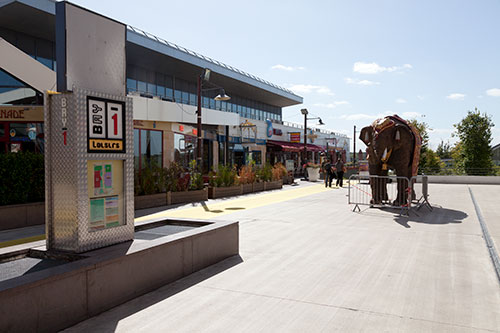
x: 184, y: 187
x: 313, y: 171
x: 223, y: 183
x: 246, y: 178
x: 149, y: 187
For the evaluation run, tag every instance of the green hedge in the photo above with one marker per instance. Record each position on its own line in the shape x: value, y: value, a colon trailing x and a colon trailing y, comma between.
x: 22, y: 178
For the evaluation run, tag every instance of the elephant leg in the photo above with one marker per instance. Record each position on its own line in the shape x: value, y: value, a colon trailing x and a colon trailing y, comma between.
x: 403, y: 186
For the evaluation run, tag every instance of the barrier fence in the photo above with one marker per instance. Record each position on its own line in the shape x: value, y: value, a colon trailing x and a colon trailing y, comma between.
x: 389, y: 191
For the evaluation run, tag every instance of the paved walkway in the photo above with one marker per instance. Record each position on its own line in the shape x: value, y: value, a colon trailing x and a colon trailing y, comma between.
x: 308, y: 263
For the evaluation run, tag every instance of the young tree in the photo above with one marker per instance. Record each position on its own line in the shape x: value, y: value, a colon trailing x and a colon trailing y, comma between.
x: 474, y: 132
x: 444, y: 150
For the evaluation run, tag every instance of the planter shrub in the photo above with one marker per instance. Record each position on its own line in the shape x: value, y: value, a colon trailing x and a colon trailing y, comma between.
x: 23, y: 178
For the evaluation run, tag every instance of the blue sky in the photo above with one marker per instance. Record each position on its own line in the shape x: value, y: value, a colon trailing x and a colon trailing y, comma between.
x: 352, y: 61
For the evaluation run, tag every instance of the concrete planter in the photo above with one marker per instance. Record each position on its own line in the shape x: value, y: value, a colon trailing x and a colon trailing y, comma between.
x: 150, y: 201
x: 313, y: 174
x: 274, y: 185
x: 187, y: 196
x: 257, y: 187
x: 220, y: 192
x: 246, y: 188
x: 22, y: 215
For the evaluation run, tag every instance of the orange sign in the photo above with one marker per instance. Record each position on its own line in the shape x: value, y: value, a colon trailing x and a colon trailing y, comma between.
x: 106, y: 145
x: 294, y: 136
x: 21, y: 113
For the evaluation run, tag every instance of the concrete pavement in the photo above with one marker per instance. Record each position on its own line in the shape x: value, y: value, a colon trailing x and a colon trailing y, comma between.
x: 307, y: 263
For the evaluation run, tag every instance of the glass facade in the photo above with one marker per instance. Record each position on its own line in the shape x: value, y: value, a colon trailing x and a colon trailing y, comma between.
x: 21, y: 136
x: 184, y: 149
x: 40, y: 49
x: 169, y: 88
x: 148, y: 148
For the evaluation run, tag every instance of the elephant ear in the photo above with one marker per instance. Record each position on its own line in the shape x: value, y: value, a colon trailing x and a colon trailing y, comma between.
x: 366, y: 135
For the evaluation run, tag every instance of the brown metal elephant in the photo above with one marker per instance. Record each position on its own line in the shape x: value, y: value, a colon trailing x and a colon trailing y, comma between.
x: 392, y: 143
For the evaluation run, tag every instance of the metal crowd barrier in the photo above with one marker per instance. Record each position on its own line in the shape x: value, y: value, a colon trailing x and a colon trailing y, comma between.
x: 388, y: 191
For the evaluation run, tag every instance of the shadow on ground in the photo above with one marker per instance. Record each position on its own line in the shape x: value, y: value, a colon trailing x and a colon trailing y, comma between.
x: 111, y: 321
x: 437, y: 216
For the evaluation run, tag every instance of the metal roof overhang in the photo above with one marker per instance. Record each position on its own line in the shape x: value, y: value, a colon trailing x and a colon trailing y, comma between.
x: 33, y: 17
x: 37, y: 18
x: 159, y: 56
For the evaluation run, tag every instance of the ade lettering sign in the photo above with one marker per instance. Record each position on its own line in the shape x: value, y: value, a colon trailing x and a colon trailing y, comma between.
x: 106, y: 126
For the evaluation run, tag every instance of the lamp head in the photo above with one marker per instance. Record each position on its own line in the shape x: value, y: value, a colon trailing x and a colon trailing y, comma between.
x: 304, y: 111
x: 320, y: 122
x: 206, y: 74
x: 222, y: 96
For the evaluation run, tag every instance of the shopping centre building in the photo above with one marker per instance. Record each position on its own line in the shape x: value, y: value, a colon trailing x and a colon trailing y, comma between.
x: 161, y: 79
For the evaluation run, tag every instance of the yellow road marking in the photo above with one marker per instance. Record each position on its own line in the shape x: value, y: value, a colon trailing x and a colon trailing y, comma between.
x: 209, y: 211
x: 230, y: 206
x: 22, y: 240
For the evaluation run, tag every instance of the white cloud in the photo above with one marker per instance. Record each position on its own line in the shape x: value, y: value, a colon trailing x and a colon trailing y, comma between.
x: 371, y: 117
x: 331, y: 105
x: 287, y: 68
x: 349, y: 80
x: 401, y: 100
x: 374, y: 68
x: 410, y: 115
x: 309, y: 88
x: 363, y: 116
x: 421, y: 97
x: 495, y: 92
x: 456, y: 96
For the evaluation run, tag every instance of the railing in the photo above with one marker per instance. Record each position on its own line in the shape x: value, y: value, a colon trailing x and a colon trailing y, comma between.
x: 454, y: 171
x: 200, y: 56
x: 388, y: 191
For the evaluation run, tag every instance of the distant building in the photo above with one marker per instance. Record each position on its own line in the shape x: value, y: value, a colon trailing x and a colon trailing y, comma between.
x: 496, y: 154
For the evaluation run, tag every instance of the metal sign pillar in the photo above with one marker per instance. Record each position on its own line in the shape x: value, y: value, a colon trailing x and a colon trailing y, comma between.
x: 89, y: 157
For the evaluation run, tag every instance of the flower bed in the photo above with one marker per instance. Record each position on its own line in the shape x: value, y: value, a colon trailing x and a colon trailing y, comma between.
x: 220, y: 192
x: 150, y: 200
x: 187, y: 196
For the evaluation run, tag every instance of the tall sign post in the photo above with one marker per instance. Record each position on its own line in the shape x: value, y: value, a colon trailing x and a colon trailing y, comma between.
x: 89, y: 166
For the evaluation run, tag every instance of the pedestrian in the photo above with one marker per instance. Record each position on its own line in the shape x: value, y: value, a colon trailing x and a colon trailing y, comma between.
x: 328, y: 172
x: 340, y: 172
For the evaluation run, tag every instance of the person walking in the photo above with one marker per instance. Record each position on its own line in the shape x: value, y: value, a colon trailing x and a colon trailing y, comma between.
x: 327, y: 171
x: 340, y: 172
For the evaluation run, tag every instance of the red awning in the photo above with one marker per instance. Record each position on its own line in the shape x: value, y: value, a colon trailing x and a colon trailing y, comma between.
x: 294, y: 146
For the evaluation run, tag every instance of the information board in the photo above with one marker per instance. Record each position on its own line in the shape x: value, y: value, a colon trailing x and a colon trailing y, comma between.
x: 105, y: 194
x: 105, y: 124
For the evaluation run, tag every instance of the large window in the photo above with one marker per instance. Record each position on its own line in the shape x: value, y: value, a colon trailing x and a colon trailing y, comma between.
x: 16, y: 137
x: 185, y: 149
x: 148, y: 148
x: 185, y: 92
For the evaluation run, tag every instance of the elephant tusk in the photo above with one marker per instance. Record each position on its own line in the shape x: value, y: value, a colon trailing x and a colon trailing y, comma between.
x: 384, y: 155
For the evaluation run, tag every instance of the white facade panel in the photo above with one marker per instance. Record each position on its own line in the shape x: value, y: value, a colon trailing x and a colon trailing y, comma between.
x: 159, y: 110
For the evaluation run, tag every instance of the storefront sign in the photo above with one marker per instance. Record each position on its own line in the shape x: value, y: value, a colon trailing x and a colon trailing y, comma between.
x: 311, y: 136
x: 105, y: 125
x: 294, y: 136
x: 21, y: 113
x: 277, y: 131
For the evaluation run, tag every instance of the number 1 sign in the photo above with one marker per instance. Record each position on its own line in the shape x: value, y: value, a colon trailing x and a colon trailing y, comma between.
x: 105, y: 125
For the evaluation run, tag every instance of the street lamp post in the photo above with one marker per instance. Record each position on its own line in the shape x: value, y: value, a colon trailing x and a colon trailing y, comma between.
x: 320, y: 122
x: 202, y: 78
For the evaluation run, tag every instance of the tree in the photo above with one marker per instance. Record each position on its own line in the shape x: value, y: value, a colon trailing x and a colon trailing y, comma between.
x: 474, y: 132
x: 444, y: 150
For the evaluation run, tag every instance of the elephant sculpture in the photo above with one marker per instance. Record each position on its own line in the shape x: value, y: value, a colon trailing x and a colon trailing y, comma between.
x: 392, y: 143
